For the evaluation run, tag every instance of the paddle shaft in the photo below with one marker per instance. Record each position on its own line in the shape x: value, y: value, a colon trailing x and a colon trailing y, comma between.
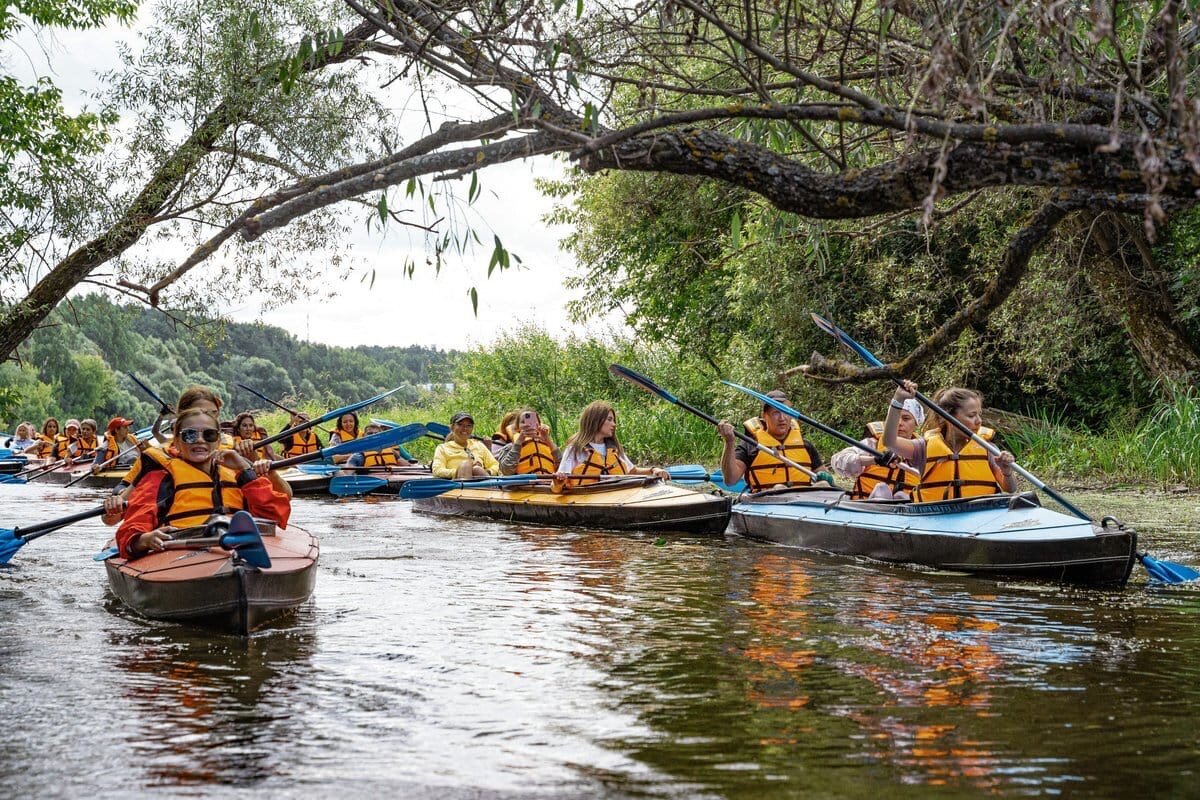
x: 165, y: 407
x: 31, y: 532
x: 335, y: 414
x: 990, y: 448
x: 378, y: 441
x: 280, y: 406
x: 747, y: 439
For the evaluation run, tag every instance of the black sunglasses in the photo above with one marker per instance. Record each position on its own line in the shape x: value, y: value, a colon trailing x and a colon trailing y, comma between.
x: 194, y: 435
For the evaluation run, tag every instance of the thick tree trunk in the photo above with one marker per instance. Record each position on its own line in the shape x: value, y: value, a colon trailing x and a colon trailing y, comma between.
x: 1129, y: 284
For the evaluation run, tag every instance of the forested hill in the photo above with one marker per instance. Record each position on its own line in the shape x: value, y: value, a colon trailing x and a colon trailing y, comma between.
x: 75, y: 365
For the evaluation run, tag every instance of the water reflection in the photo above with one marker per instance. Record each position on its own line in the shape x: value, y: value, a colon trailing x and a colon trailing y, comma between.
x: 209, y: 709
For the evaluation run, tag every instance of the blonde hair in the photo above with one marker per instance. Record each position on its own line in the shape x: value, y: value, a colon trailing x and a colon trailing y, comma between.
x: 188, y: 414
x: 196, y: 392
x: 952, y: 400
x: 508, y: 425
x: 590, y: 422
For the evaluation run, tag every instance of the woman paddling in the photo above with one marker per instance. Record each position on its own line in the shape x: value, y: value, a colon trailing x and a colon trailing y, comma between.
x: 461, y: 456
x: 952, y: 465
x: 204, y: 480
x: 872, y: 481
x: 47, y: 440
x: 246, y: 430
x: 594, y: 451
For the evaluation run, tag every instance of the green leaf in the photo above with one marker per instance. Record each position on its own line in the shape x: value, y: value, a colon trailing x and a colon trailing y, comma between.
x: 382, y: 207
x: 474, y: 300
x: 473, y: 191
x: 735, y: 230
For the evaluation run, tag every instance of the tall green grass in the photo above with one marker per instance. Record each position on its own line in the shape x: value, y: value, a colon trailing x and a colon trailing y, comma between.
x: 1163, y: 447
x: 529, y: 367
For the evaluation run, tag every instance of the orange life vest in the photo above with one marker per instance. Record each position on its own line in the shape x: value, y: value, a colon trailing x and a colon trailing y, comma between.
x: 303, y: 442
x: 198, y: 495
x: 766, y: 470
x: 595, y: 465
x: 950, y: 476
x: 261, y: 452
x: 536, y: 458
x: 897, y: 479
x: 87, y: 447
x: 380, y: 458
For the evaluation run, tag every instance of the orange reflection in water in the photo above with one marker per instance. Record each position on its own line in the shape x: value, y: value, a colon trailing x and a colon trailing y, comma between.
x: 779, y: 586
x: 933, y: 661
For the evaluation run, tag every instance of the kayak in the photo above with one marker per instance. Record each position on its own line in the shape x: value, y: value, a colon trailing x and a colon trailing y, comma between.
x: 211, y: 587
x: 637, y: 503
x: 377, y: 480
x: 994, y: 535
x: 104, y: 479
x: 306, y: 482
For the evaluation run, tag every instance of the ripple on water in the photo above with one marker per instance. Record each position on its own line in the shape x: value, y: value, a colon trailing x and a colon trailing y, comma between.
x: 462, y: 658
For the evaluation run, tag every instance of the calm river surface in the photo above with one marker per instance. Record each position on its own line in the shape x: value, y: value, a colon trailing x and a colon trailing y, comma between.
x: 467, y: 659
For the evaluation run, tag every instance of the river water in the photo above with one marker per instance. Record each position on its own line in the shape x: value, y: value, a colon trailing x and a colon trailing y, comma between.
x: 468, y: 659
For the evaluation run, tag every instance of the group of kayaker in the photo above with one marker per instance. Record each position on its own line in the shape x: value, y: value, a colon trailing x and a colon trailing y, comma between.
x: 944, y: 463
x: 523, y: 446
x: 177, y: 483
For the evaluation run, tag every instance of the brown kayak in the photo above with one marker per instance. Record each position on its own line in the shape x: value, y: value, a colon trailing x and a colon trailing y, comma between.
x: 212, y: 587
x: 632, y: 504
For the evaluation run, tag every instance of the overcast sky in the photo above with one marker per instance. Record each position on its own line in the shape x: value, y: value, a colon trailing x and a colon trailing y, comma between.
x: 426, y: 310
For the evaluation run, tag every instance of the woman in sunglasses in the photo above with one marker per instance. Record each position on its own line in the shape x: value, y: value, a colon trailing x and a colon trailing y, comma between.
x: 204, y: 480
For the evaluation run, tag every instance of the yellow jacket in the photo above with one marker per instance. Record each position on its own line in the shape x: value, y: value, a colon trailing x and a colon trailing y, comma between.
x: 450, y: 454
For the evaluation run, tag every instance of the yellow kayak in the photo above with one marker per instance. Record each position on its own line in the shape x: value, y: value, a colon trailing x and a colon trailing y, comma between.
x: 636, y: 503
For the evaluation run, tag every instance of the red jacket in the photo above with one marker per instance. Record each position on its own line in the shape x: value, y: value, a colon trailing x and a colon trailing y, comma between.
x: 141, y: 512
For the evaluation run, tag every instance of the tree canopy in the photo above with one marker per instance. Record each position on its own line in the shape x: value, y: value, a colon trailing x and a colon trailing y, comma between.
x: 836, y: 111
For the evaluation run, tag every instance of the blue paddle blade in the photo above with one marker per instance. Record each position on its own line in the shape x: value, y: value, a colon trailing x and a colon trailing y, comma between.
x: 844, y: 338
x: 718, y: 480
x: 12, y: 479
x: 106, y: 554
x: 771, y: 401
x: 378, y: 441
x: 688, y: 473
x: 438, y: 428
x: 318, y: 469
x: 642, y: 382
x: 9, y: 545
x: 1167, y: 571
x: 350, y: 485
x: 432, y: 487
x: 245, y: 540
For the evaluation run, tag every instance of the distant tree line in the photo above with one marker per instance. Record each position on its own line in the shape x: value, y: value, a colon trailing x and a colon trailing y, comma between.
x: 76, y: 364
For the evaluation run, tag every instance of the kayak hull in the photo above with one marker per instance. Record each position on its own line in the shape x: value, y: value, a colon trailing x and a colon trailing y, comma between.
x: 998, y: 535
x: 210, y: 587
x: 317, y: 483
x: 637, y: 505
x: 105, y: 479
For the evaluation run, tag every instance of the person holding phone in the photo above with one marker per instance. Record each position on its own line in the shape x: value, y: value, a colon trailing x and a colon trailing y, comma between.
x: 532, y: 451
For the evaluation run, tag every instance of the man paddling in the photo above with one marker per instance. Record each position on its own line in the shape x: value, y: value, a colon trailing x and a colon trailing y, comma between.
x: 777, y: 432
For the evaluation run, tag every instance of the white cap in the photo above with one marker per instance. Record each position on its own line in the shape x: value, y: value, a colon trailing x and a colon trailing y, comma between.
x: 913, y: 407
